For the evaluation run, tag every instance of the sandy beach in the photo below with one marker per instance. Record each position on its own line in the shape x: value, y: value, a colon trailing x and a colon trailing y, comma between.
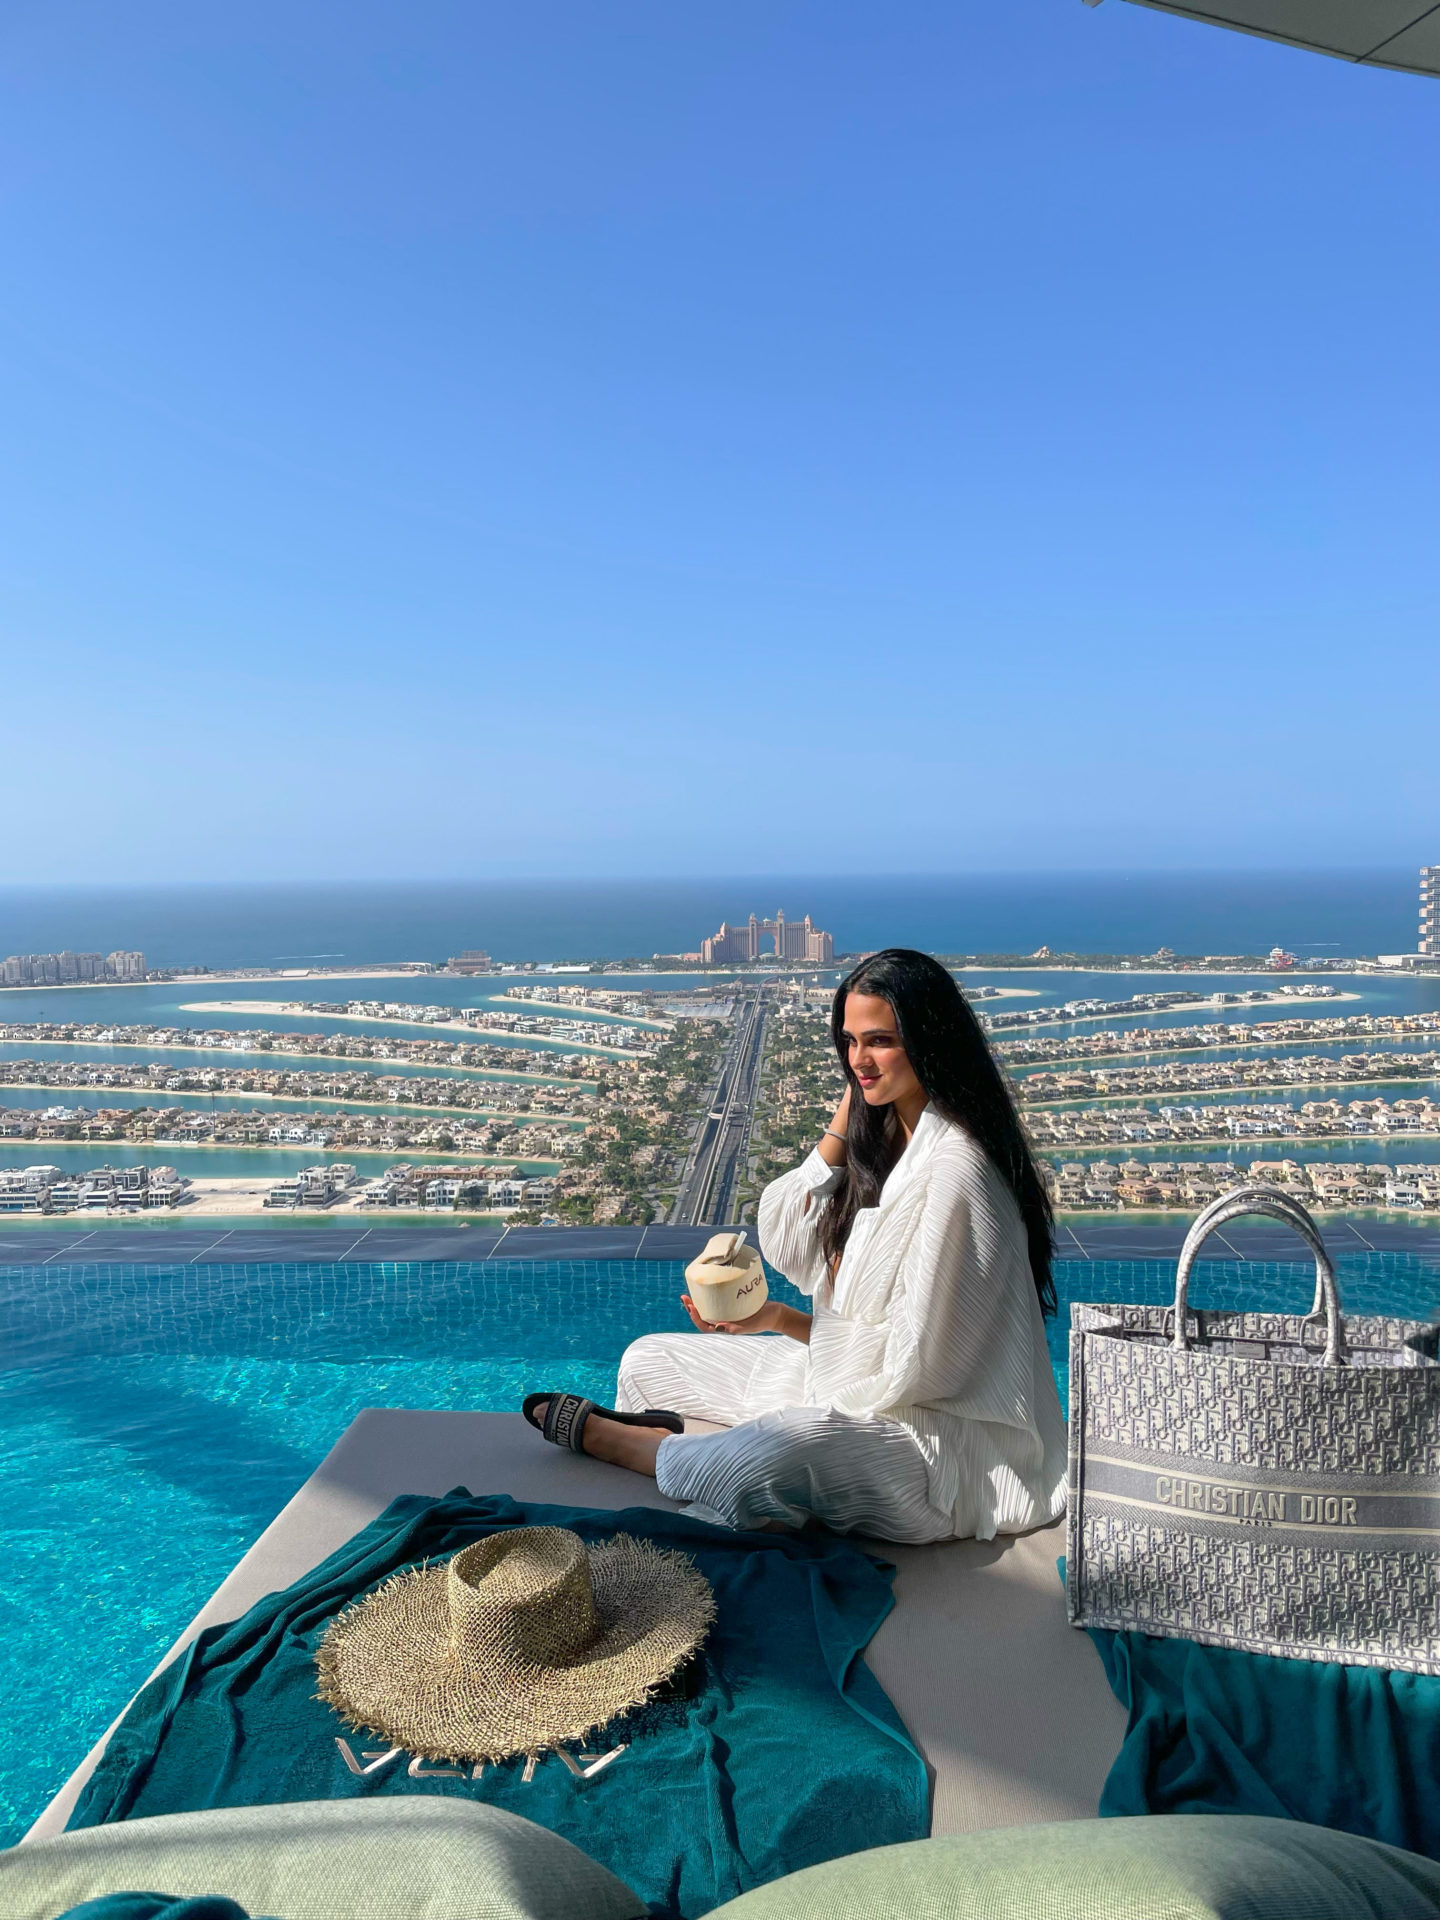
x: 1293, y: 1008
x: 397, y: 970
x: 1186, y: 976
x: 245, y: 1198
x: 223, y: 1201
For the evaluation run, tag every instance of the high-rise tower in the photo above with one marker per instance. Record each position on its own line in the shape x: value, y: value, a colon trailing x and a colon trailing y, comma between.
x: 1429, y: 910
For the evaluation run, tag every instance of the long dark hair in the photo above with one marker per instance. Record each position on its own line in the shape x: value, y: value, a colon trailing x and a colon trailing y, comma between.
x: 953, y: 1063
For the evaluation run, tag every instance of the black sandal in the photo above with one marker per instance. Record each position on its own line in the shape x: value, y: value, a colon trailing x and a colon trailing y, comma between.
x: 566, y: 1414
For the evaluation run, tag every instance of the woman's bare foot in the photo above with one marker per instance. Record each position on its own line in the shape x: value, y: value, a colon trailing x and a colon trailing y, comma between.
x: 632, y: 1447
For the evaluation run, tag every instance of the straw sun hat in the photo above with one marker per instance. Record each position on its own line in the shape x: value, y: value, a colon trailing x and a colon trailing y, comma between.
x: 515, y: 1644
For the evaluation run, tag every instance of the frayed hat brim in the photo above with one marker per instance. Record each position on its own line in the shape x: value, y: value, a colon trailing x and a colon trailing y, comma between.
x: 387, y: 1667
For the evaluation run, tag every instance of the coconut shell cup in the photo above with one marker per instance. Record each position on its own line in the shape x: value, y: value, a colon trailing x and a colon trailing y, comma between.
x: 727, y: 1281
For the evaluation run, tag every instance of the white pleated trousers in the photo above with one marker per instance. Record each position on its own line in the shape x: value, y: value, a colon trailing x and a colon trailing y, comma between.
x: 779, y: 1462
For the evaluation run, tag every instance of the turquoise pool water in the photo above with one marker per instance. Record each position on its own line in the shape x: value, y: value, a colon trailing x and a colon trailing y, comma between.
x: 153, y: 1419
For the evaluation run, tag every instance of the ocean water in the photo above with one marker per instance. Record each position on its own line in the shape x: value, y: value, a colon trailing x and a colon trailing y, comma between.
x: 1314, y: 913
x: 153, y: 1420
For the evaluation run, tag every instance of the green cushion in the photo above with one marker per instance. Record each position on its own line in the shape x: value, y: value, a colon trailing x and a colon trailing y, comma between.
x: 1166, y: 1867
x: 424, y: 1859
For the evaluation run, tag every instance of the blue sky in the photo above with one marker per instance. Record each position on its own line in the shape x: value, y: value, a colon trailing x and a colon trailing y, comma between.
x: 476, y: 440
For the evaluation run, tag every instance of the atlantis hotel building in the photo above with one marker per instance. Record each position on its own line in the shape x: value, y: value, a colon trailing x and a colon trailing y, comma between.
x: 794, y: 940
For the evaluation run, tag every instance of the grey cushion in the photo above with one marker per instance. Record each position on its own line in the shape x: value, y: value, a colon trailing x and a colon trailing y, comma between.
x: 1167, y: 1867
x: 410, y: 1859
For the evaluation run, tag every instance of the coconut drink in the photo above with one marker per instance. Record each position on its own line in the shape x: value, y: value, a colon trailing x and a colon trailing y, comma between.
x: 727, y: 1280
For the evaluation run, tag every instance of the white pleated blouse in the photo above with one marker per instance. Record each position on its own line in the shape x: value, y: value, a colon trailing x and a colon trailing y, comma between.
x: 932, y: 1320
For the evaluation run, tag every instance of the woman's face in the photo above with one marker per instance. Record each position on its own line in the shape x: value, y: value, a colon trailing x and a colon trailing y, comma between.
x: 877, y: 1058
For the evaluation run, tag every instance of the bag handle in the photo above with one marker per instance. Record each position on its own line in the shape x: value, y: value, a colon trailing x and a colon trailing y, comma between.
x: 1275, y: 1205
x: 1286, y: 1207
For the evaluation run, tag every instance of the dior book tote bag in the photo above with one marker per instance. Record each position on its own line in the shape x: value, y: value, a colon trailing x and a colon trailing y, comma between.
x: 1257, y: 1480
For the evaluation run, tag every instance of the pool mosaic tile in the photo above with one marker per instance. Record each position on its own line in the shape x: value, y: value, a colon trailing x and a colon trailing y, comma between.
x: 154, y: 1418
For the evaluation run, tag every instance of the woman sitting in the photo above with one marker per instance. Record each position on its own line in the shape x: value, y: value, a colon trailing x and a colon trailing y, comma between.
x: 916, y: 1401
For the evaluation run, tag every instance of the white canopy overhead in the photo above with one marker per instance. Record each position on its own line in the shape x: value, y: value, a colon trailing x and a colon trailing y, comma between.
x: 1404, y: 34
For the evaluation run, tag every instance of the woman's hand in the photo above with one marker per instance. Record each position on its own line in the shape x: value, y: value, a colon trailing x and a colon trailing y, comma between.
x: 773, y: 1317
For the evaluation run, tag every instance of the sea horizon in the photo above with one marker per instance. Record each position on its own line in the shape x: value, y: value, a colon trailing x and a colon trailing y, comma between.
x: 1315, y: 913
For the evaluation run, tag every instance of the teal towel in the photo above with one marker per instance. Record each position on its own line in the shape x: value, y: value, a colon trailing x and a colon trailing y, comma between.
x: 774, y: 1750
x: 155, y: 1906
x: 1212, y: 1730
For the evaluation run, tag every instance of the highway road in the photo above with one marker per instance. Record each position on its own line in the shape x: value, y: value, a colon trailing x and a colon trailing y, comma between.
x: 712, y: 1174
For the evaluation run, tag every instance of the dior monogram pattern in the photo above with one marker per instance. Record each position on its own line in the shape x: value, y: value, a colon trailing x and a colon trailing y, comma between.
x: 1369, y: 1339
x: 1282, y: 1596
x: 1380, y: 1414
x: 1168, y: 1533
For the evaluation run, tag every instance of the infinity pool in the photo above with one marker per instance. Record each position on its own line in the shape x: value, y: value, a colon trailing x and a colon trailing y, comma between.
x: 154, y: 1419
